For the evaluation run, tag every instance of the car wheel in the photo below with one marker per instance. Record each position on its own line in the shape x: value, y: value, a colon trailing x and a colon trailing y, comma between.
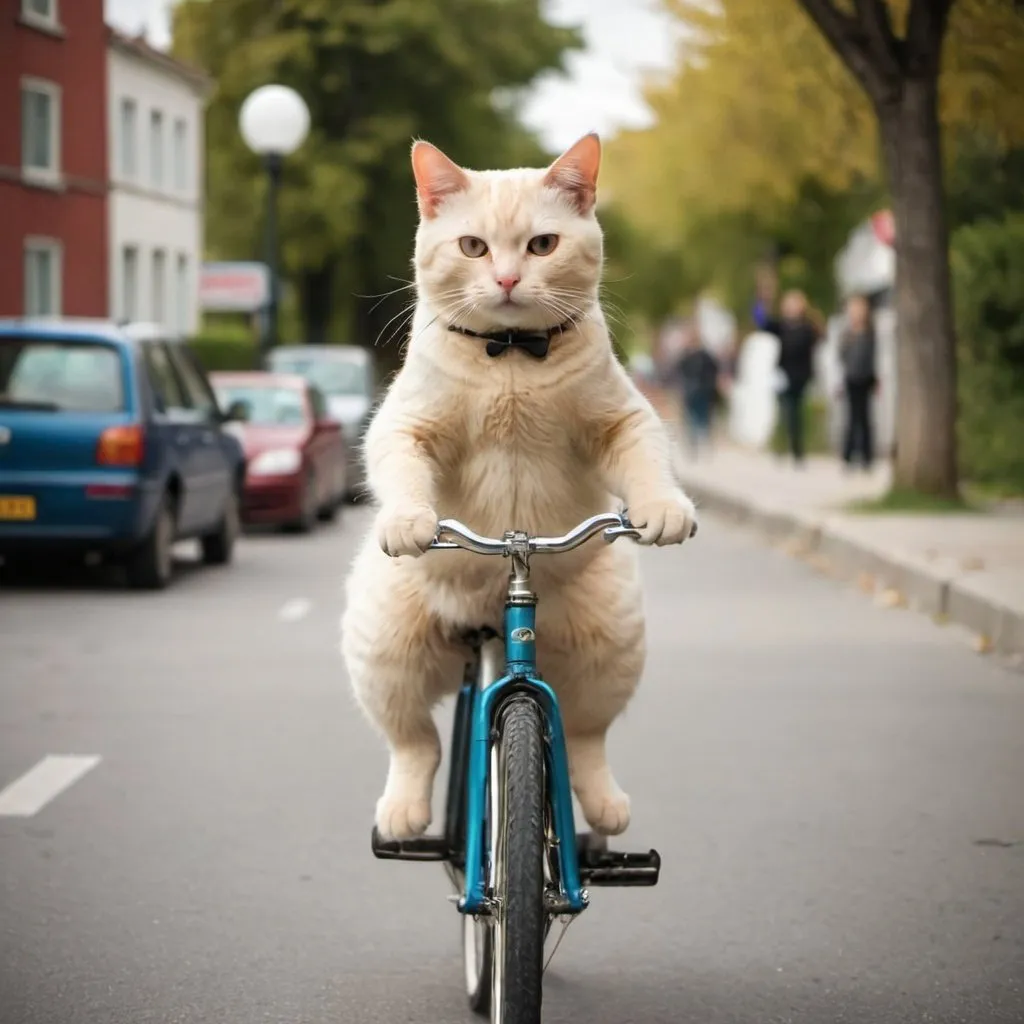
x: 151, y: 565
x: 308, y: 516
x: 218, y: 546
x: 329, y: 512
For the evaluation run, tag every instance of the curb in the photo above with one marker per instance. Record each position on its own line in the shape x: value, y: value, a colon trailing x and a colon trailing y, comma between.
x: 941, y: 591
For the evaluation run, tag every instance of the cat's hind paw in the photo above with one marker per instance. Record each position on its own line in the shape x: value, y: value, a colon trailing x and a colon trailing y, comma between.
x: 401, y: 818
x: 606, y: 811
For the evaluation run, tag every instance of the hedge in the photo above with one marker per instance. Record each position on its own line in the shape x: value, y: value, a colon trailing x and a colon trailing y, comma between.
x: 987, y: 260
x: 226, y: 352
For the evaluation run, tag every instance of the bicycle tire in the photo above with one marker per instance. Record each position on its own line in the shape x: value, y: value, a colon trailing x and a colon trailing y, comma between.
x: 520, y: 914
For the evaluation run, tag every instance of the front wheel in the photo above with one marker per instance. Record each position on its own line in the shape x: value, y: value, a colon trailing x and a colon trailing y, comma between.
x: 517, y: 844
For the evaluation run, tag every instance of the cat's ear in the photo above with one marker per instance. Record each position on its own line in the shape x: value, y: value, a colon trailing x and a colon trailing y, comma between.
x: 437, y: 177
x: 575, y: 172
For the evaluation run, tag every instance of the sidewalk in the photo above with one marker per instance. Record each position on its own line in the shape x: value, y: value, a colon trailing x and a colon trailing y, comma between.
x: 966, y: 568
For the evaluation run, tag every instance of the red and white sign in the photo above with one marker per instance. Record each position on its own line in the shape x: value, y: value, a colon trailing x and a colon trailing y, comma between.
x: 234, y: 287
x: 884, y: 226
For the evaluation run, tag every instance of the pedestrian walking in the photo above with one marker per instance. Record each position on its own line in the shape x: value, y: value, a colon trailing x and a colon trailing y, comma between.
x: 697, y: 376
x: 857, y: 355
x: 798, y: 336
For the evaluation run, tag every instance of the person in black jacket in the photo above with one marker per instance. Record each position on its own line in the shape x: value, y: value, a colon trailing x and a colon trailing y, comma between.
x: 860, y: 380
x: 697, y: 375
x: 798, y: 337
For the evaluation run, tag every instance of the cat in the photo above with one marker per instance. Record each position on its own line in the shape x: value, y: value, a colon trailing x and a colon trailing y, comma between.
x: 502, y: 441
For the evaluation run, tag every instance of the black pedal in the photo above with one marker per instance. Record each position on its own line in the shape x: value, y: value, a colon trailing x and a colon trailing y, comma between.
x: 600, y: 866
x: 420, y: 848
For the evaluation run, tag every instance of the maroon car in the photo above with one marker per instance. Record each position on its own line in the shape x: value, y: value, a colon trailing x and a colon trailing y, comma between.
x: 296, y: 459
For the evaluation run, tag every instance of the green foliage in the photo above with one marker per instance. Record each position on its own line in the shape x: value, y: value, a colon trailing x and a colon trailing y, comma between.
x: 988, y: 274
x: 375, y: 74
x: 226, y: 352
x: 985, y: 180
x: 911, y: 503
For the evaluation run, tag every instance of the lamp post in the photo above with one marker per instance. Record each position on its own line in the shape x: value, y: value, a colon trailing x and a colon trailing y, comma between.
x: 274, y: 122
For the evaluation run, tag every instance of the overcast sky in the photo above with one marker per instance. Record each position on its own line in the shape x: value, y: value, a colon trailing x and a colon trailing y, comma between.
x: 624, y: 38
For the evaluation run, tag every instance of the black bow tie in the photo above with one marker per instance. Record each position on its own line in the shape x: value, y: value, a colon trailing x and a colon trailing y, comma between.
x: 534, y: 342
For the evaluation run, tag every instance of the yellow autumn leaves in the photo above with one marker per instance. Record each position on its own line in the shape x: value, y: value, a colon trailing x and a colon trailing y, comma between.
x: 760, y: 103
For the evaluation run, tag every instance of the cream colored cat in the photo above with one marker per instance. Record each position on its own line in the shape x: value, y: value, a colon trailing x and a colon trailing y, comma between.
x: 502, y: 442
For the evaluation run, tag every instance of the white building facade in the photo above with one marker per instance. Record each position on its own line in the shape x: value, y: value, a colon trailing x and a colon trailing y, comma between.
x: 157, y: 168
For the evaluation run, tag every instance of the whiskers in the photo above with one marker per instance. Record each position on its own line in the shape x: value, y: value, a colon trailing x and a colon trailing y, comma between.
x: 400, y: 322
x: 563, y: 304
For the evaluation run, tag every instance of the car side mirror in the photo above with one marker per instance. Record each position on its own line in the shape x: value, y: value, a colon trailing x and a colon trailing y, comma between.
x: 237, y: 412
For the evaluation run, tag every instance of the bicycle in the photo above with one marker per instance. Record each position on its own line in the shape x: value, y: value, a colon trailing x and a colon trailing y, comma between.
x: 509, y: 841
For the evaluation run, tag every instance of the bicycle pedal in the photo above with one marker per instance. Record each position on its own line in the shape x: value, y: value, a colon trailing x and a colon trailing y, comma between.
x: 606, y: 867
x: 420, y: 848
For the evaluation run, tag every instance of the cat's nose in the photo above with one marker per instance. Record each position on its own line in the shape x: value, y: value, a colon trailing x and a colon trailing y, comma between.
x: 508, y: 283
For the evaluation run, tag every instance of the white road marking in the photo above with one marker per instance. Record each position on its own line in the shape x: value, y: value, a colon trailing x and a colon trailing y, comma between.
x: 29, y: 794
x: 295, y: 609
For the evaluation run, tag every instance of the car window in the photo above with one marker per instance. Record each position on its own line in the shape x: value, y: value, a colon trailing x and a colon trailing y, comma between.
x: 60, y: 376
x: 266, y: 405
x: 167, y: 387
x: 331, y: 375
x: 200, y: 396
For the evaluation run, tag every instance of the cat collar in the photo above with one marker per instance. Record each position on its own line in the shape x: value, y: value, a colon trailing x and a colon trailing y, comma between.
x: 534, y: 342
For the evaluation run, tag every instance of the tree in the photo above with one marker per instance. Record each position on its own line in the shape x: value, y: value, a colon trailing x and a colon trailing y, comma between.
x: 767, y: 134
x: 899, y: 73
x: 375, y: 74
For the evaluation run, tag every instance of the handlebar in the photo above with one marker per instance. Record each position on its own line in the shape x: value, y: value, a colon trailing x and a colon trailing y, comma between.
x: 611, y: 524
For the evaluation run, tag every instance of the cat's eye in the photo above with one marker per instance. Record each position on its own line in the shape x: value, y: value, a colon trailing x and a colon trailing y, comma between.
x: 473, y: 247
x: 542, y: 245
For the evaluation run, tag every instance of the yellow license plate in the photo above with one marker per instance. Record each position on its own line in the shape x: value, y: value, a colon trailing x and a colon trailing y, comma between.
x: 12, y: 507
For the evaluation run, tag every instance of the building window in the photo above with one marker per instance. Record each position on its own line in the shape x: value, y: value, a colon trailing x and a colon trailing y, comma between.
x: 156, y: 148
x: 129, y: 138
x: 40, y: 130
x: 42, y: 277
x: 130, y: 282
x: 40, y: 12
x: 159, y: 301
x: 180, y: 156
x: 182, y: 305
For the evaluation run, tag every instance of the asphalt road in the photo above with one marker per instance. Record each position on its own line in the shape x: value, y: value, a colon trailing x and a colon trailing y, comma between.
x: 837, y: 792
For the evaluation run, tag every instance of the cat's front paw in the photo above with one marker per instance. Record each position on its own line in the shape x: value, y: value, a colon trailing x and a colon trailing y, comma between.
x: 668, y: 520
x: 407, y: 531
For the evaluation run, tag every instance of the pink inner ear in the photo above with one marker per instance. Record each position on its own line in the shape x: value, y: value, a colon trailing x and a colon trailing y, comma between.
x: 436, y: 176
x: 575, y: 171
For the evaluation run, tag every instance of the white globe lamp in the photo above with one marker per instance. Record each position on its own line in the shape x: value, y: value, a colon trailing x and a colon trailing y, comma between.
x: 274, y: 122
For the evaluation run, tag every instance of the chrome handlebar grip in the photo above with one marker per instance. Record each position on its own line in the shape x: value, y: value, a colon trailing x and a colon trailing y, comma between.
x: 606, y: 521
x: 467, y: 539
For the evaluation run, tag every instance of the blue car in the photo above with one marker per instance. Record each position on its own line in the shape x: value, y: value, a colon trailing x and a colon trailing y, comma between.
x: 112, y: 441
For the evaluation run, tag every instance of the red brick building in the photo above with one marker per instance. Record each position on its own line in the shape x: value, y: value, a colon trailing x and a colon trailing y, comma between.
x: 53, y: 158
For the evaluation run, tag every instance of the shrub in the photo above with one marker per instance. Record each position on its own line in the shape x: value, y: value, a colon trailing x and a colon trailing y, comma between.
x: 987, y: 260
x: 226, y: 352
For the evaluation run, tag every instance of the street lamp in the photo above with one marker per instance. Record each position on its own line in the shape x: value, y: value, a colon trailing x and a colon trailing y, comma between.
x: 274, y: 122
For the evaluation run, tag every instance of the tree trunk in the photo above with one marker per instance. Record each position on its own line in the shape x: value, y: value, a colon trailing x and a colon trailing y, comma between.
x: 926, y: 351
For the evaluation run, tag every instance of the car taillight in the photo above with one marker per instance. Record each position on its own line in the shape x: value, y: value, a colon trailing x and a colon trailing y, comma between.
x: 121, y: 446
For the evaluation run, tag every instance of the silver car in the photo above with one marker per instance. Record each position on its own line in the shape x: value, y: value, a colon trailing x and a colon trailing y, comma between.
x: 345, y: 374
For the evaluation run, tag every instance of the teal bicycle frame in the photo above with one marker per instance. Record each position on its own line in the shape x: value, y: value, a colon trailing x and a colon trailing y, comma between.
x: 464, y: 841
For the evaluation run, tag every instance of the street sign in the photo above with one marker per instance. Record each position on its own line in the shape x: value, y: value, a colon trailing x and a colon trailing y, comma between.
x: 234, y: 287
x: 884, y: 226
